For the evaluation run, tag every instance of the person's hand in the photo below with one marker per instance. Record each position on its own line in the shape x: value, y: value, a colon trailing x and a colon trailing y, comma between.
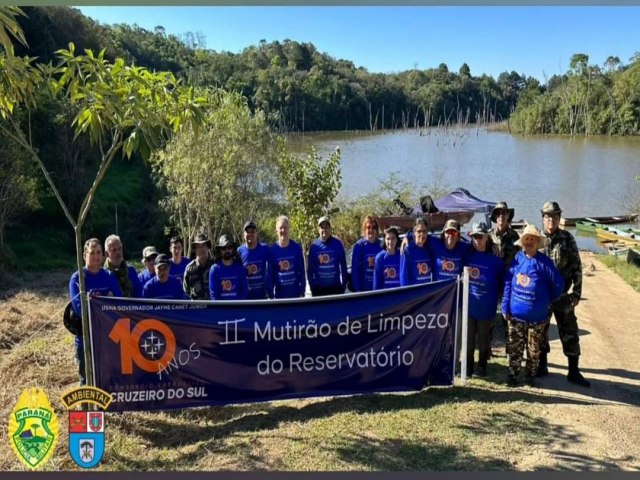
x: 574, y: 301
x: 404, y: 245
x: 496, y: 250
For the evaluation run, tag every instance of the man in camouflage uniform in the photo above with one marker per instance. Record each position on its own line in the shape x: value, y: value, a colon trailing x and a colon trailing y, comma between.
x: 502, y: 235
x: 504, y: 238
x: 563, y: 250
x: 196, y: 276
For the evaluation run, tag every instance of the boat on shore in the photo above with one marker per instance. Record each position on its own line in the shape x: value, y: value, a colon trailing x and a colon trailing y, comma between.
x: 618, y: 250
x: 435, y: 221
x: 633, y: 256
x: 609, y: 220
x: 610, y: 233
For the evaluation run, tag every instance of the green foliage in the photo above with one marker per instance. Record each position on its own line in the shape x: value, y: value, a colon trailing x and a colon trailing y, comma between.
x: 310, y: 184
x: 223, y: 177
x: 18, y: 187
x: 586, y: 100
x: 9, y: 27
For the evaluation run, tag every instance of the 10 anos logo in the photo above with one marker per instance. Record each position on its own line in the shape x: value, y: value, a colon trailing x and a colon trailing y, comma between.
x: 151, y: 345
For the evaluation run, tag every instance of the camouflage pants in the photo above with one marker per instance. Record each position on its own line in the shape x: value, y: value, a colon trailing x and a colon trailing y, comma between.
x: 567, y: 323
x: 521, y: 334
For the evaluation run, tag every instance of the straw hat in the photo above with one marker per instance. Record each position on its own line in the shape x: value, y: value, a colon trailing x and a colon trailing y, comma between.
x: 533, y: 231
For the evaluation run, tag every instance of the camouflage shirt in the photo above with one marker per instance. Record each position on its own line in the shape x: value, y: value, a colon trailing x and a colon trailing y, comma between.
x: 563, y: 250
x: 505, y: 244
x: 195, y: 282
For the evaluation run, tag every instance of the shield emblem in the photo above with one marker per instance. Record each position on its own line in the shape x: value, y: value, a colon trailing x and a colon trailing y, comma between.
x: 86, y: 438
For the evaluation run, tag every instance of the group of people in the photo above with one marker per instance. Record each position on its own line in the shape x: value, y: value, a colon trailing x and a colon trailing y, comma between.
x: 532, y: 273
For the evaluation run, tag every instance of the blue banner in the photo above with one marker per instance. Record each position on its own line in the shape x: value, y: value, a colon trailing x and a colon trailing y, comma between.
x: 156, y: 354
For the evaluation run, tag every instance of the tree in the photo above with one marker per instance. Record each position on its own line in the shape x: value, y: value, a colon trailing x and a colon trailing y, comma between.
x: 225, y: 176
x: 311, y: 184
x: 121, y: 109
x: 18, y: 188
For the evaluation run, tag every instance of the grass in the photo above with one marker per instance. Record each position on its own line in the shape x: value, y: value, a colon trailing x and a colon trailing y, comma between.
x: 480, y: 426
x: 628, y: 272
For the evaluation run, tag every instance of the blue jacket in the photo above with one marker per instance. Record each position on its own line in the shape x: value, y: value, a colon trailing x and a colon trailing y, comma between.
x: 530, y: 286
x: 448, y: 263
x: 100, y: 283
x: 387, y: 270
x: 363, y: 263
x: 286, y: 267
x: 177, y: 269
x: 256, y: 264
x: 169, y: 290
x: 327, y: 264
x: 415, y: 265
x: 227, y: 282
x: 486, y: 280
x: 144, y: 276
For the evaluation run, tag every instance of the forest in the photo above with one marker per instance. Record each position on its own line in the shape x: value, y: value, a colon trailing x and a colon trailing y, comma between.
x: 288, y: 86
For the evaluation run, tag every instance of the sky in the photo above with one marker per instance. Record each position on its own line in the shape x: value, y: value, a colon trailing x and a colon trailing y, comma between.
x: 535, y: 41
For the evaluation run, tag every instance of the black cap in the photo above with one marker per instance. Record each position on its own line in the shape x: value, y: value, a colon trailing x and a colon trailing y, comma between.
x: 161, y: 259
x: 249, y: 224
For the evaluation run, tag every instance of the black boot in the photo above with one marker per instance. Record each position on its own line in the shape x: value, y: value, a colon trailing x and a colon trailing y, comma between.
x: 543, y: 370
x: 574, y: 375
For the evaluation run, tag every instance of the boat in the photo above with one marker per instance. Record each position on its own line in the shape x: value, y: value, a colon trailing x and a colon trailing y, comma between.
x: 633, y: 256
x: 459, y: 205
x: 435, y: 221
x: 609, y: 220
x: 611, y: 233
x: 618, y: 250
x: 589, y: 227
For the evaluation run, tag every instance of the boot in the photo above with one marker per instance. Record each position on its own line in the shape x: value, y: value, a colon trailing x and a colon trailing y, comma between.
x: 543, y: 370
x: 481, y: 371
x: 574, y: 375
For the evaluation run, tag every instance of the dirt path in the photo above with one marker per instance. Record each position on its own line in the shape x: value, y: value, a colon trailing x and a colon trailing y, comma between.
x: 596, y: 428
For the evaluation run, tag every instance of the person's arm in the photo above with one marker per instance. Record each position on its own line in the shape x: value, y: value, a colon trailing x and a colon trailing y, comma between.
x: 576, y: 271
x: 146, y: 290
x: 311, y: 265
x: 74, y: 293
x: 185, y: 285
x: 356, y: 266
x: 300, y: 267
x: 343, y: 266
x: 213, y: 282
x: 506, y: 296
x: 378, y: 273
x: 556, y: 282
x: 406, y: 270
x: 273, y: 272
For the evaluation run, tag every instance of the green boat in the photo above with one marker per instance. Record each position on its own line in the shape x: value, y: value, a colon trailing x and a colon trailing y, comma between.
x: 590, y: 227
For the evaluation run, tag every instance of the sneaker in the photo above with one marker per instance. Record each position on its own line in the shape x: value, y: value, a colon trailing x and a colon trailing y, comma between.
x: 512, y: 381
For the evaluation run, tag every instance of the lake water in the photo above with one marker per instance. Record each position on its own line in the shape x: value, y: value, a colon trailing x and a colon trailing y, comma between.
x: 587, y: 176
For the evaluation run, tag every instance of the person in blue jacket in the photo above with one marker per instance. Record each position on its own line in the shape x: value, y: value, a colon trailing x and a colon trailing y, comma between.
x: 449, y: 252
x: 326, y: 263
x: 286, y: 264
x: 178, y: 263
x: 387, y: 262
x: 163, y: 285
x: 531, y: 284
x: 227, y: 277
x: 98, y: 281
x: 364, y: 255
x: 255, y: 258
x: 126, y: 275
x: 415, y: 258
x: 486, y: 279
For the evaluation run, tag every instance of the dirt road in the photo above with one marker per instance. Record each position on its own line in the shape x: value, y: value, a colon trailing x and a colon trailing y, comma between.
x: 606, y: 434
